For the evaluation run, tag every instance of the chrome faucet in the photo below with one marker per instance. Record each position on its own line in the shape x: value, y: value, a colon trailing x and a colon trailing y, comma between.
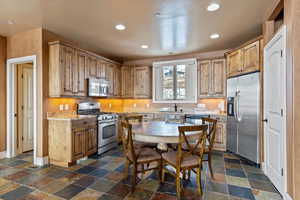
x: 175, y: 107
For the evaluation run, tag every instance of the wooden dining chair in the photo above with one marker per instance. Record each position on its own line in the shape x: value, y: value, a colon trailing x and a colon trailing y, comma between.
x: 211, y: 135
x: 139, y: 119
x: 187, y: 160
x: 138, y: 157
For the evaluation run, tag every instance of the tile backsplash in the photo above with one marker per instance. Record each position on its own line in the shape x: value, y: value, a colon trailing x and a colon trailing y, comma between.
x: 129, y: 105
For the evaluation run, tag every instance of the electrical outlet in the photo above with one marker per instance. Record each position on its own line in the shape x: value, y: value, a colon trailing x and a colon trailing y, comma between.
x: 147, y: 105
x: 66, y: 106
x: 61, y: 107
x: 109, y: 105
x: 134, y: 105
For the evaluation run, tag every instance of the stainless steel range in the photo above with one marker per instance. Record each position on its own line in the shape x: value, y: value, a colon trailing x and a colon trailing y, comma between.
x: 107, y: 125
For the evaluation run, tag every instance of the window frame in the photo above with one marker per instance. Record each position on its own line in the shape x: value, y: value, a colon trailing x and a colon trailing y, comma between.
x: 174, y: 63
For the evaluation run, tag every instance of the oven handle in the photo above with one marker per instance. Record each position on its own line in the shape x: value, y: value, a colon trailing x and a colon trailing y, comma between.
x: 108, y: 122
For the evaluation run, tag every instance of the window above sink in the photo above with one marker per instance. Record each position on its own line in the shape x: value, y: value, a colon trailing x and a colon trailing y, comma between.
x: 175, y: 81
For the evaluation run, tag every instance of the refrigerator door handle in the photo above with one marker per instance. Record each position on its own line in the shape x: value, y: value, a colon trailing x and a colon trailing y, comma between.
x: 239, y: 117
x: 235, y: 108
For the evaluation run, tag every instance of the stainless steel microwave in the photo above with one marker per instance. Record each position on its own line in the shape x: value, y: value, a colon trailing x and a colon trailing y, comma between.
x: 98, y: 87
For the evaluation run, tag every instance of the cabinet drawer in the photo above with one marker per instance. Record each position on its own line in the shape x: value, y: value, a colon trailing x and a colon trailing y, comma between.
x: 84, y: 122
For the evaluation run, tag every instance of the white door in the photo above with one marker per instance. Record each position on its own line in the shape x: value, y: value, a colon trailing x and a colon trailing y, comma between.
x: 274, y: 109
x: 27, y: 105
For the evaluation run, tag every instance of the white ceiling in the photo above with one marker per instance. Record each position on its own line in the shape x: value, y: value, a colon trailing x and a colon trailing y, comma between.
x: 184, y: 26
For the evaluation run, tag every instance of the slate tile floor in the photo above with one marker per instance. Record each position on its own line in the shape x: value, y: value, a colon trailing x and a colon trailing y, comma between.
x: 102, y: 178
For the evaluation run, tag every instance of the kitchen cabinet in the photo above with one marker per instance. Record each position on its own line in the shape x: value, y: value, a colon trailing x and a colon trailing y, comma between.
x: 234, y: 62
x: 109, y: 75
x: 127, y: 81
x: 92, y: 67
x: 61, y: 70
x: 79, y: 79
x: 212, y: 78
x: 117, y: 81
x: 220, y: 138
x: 70, y: 140
x: 100, y: 69
x: 142, y: 82
x: 70, y: 67
x: 246, y: 59
x: 251, y: 57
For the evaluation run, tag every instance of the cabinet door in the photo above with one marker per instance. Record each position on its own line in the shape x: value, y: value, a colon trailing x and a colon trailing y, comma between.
x: 251, y: 57
x: 235, y: 63
x: 78, y: 143
x: 100, y: 69
x: 92, y: 66
x: 109, y: 74
x: 79, y: 81
x: 218, y: 77
x: 67, y: 64
x: 142, y: 82
x: 220, y: 139
x: 91, y: 140
x: 117, y: 81
x: 204, y: 73
x: 127, y: 81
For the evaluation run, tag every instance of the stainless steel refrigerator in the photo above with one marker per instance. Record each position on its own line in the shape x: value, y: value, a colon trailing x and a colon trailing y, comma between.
x: 243, y: 107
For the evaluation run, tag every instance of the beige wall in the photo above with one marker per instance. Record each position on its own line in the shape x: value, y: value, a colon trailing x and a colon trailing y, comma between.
x: 26, y: 44
x: 2, y: 94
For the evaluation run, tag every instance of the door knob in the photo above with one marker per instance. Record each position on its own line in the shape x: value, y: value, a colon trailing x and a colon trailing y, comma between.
x: 265, y: 120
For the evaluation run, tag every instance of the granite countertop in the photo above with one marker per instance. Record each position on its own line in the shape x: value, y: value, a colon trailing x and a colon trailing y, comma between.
x: 63, y: 116
x: 175, y: 113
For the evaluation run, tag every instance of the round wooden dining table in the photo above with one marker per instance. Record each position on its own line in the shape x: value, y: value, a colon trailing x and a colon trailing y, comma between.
x: 159, y: 132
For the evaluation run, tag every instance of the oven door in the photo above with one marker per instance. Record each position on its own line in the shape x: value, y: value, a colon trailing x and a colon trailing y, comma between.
x: 107, y: 132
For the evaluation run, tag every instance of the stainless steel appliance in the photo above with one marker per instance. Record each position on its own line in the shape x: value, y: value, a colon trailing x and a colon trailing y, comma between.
x: 243, y: 108
x: 98, y: 87
x: 107, y: 125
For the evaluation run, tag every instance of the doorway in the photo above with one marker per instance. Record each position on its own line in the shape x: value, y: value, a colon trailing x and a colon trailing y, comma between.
x: 22, y: 121
x: 24, y: 107
x: 275, y: 110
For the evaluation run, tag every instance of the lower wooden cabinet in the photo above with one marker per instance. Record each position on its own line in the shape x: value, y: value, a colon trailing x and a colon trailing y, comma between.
x: 220, y: 139
x: 70, y: 140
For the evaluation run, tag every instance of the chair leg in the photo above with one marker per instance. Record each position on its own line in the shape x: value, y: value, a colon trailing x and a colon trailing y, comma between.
x: 162, y: 179
x: 126, y: 169
x: 134, y: 176
x: 189, y: 175
x: 178, y: 185
x: 210, y: 166
x: 199, y: 181
x: 160, y: 170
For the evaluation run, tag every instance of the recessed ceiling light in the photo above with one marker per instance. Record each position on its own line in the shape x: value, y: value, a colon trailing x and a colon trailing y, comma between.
x: 213, y: 7
x: 144, y: 46
x: 120, y: 27
x: 214, y: 36
x: 10, y: 22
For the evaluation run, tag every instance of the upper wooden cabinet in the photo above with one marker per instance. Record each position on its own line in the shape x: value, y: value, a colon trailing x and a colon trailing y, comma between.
x: 127, y: 81
x: 117, y: 81
x: 61, y: 70
x: 70, y: 67
x: 234, y: 62
x: 142, y: 82
x: 246, y: 59
x: 212, y: 78
x: 79, y: 82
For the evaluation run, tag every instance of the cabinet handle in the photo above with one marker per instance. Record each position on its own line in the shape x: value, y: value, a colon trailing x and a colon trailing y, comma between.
x: 84, y: 122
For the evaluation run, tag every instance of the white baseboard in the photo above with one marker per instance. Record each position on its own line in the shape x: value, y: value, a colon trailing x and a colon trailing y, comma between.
x: 41, y: 161
x: 287, y: 197
x: 2, y: 154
